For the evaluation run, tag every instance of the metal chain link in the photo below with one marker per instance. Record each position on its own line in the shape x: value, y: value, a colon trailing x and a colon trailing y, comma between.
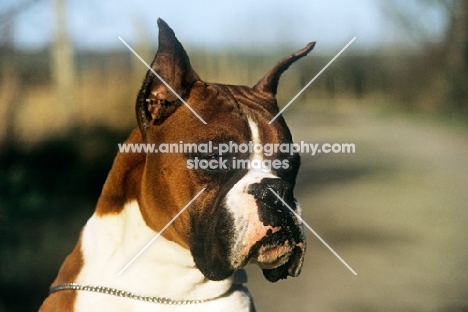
x: 124, y: 294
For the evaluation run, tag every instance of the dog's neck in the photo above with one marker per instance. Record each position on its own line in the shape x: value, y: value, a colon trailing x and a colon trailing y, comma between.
x: 117, y: 232
x: 165, y: 269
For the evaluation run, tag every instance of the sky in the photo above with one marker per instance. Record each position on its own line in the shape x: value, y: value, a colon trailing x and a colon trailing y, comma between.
x: 214, y: 24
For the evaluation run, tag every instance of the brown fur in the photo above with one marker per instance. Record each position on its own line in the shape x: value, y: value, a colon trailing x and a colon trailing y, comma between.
x: 65, y: 300
x: 162, y: 118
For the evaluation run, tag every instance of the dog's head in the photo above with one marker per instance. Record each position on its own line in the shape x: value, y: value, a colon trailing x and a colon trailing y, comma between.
x: 247, y: 213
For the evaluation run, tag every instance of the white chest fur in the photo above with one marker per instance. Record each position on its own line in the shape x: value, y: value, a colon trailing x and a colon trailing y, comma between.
x: 165, y: 269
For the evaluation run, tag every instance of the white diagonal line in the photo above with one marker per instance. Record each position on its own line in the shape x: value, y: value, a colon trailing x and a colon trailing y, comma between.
x: 162, y: 80
x: 315, y: 233
x: 313, y: 79
x: 160, y: 232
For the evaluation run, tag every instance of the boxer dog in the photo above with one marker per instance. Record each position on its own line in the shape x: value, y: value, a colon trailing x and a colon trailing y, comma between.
x: 196, y: 262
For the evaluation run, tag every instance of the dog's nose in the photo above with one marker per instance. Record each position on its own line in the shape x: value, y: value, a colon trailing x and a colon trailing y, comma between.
x: 271, y: 208
x: 262, y: 190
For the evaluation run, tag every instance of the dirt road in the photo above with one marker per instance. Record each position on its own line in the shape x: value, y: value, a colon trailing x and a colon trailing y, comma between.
x: 396, y: 211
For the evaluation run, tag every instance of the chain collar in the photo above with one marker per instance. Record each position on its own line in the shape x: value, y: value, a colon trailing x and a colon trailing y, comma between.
x: 126, y: 294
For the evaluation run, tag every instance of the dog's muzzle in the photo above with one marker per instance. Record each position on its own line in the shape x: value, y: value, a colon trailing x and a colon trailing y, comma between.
x: 281, y: 252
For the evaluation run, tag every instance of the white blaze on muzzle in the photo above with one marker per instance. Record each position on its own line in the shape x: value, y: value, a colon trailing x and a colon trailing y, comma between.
x: 251, y: 233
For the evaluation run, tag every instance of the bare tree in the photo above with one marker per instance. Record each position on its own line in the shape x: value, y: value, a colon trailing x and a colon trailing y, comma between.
x: 10, y: 80
x: 63, y: 64
x: 457, y: 57
x: 411, y: 16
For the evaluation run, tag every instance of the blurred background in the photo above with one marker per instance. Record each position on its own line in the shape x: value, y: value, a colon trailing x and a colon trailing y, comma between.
x: 396, y: 210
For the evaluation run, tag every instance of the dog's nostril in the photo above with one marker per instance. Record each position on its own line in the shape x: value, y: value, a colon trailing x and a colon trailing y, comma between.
x: 258, y: 190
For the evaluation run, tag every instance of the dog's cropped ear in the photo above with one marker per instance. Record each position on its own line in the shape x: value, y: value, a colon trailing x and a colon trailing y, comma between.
x: 155, y: 101
x: 268, y: 85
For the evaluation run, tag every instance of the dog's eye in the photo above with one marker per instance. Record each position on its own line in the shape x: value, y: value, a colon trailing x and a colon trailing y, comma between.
x: 290, y: 166
x: 210, y: 163
x: 208, y: 156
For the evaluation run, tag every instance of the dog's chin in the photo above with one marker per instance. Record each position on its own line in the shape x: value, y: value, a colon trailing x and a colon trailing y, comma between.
x: 278, y: 256
x: 272, y: 256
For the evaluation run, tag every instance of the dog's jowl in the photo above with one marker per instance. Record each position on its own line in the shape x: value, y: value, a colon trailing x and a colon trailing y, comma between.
x: 196, y: 264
